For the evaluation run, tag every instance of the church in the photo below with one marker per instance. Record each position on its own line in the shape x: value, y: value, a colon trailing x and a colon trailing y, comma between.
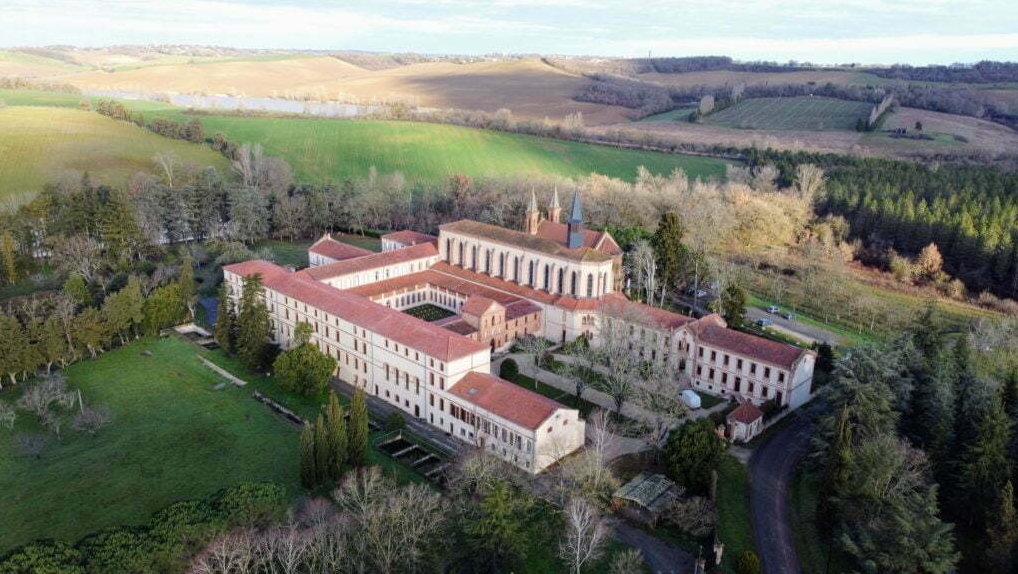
x: 554, y: 279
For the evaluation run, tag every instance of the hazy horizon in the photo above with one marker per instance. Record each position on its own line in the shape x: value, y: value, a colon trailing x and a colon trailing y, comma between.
x: 914, y: 32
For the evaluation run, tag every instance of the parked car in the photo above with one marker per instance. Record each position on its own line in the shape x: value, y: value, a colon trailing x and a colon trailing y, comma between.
x: 773, y: 310
x: 763, y: 322
x: 788, y: 316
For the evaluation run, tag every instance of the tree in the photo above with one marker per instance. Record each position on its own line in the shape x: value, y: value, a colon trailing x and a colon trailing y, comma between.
x: 693, y: 451
x: 51, y: 343
x: 537, y: 347
x: 629, y: 561
x: 747, y: 563
x: 732, y: 305
x: 187, y: 290
x: 495, y: 529
x: 7, y: 416
x: 90, y: 330
x: 13, y: 345
x: 984, y: 466
x: 322, y: 454
x: 358, y: 429
x: 619, y: 325
x: 643, y: 269
x: 164, y: 307
x: 308, y: 472
x: 123, y: 311
x: 670, y: 252
x: 254, y: 329
x: 303, y: 368
x: 1002, y: 533
x: 8, y: 258
x: 586, y: 534
x: 337, y: 437
x: 696, y: 515
x: 929, y: 266
x: 76, y: 288
x: 91, y: 419
x: 226, y: 321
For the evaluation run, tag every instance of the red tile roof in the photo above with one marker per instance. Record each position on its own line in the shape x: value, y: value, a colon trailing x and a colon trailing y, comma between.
x: 269, y: 271
x: 745, y: 413
x: 520, y: 308
x: 460, y: 326
x: 764, y: 350
x: 598, y: 240
x: 337, y: 250
x: 522, y: 240
x: 413, y: 332
x: 374, y: 260
x: 478, y: 305
x: 504, y: 399
x: 408, y: 237
x: 664, y: 319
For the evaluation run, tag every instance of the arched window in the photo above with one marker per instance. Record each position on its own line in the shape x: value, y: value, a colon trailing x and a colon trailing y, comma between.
x: 516, y: 269
x: 590, y: 286
x: 574, y: 288
x: 473, y: 258
x: 561, y: 279
x: 462, y: 262
x: 547, y: 278
x: 448, y: 249
x: 501, y: 265
x: 487, y: 261
x: 530, y: 274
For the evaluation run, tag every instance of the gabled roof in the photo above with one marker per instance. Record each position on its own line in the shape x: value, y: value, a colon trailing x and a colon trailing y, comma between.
x: 746, y: 413
x: 597, y: 240
x: 479, y: 305
x: 374, y: 260
x: 504, y: 399
x: 764, y: 350
x: 337, y: 250
x: 415, y: 333
x: 617, y: 302
x: 523, y: 240
x: 408, y: 237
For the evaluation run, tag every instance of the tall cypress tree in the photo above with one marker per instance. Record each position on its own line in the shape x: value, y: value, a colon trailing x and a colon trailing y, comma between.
x: 337, y: 437
x: 254, y: 328
x: 1002, y: 533
x: 308, y: 474
x: 321, y: 450
x: 226, y: 322
x: 358, y: 429
x: 668, y: 248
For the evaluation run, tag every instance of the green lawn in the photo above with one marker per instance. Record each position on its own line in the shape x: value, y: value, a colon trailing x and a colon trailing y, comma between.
x: 676, y: 115
x: 809, y: 113
x: 294, y: 253
x: 734, y: 526
x: 173, y: 437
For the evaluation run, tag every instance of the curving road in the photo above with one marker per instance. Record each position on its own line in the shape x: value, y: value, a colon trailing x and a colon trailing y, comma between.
x: 770, y: 470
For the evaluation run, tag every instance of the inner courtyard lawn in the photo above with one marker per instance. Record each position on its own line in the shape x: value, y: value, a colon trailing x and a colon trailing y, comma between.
x: 173, y: 437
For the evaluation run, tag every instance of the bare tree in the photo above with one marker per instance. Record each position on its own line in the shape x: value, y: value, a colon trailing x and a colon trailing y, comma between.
x: 628, y: 562
x: 7, y: 415
x: 92, y: 419
x: 586, y: 534
x: 644, y: 267
x: 167, y: 161
x: 48, y: 392
x: 696, y: 515
x: 538, y: 348
x: 809, y: 181
x: 79, y: 254
x: 230, y: 553
x: 620, y: 334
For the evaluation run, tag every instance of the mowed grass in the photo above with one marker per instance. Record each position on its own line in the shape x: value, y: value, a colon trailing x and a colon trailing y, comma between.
x: 40, y: 144
x: 173, y: 437
x: 333, y: 150
x: 806, y: 113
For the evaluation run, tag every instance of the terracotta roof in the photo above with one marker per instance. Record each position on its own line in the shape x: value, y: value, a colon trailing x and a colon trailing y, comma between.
x: 374, y: 260
x: 269, y: 271
x: 337, y: 250
x: 502, y: 398
x: 523, y: 240
x: 660, y: 317
x: 751, y: 346
x: 478, y: 305
x: 421, y: 279
x: 598, y: 240
x: 410, y: 331
x: 460, y: 326
x: 408, y: 237
x: 520, y: 308
x: 745, y: 413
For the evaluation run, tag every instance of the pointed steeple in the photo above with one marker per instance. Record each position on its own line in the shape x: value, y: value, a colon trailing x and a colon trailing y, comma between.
x: 555, y: 210
x: 575, y: 238
x: 533, y: 202
x: 533, y: 214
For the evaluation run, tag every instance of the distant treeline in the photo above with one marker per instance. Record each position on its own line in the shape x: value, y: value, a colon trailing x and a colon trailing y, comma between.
x: 985, y: 72
x: 968, y: 211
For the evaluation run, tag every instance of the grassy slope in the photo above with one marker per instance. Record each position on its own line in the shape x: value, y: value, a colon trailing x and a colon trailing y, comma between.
x: 40, y: 144
x: 173, y: 437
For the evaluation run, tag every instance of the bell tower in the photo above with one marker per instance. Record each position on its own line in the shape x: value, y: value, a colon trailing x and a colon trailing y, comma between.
x: 533, y: 214
x: 555, y: 211
x: 575, y: 238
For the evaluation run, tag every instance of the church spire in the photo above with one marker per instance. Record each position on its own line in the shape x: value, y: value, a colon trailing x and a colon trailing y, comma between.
x: 533, y: 214
x: 575, y: 221
x: 555, y: 210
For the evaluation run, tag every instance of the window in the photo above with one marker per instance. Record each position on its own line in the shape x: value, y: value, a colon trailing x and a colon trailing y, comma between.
x: 781, y: 377
x: 547, y: 278
x: 767, y: 372
x: 590, y: 286
x: 573, y: 287
x: 530, y: 274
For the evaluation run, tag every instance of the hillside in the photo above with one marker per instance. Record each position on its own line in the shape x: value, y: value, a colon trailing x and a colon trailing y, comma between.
x: 38, y: 145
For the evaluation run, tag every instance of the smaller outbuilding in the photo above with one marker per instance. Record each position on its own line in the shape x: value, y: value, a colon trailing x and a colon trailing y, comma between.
x: 691, y: 399
x: 744, y: 423
x: 646, y: 496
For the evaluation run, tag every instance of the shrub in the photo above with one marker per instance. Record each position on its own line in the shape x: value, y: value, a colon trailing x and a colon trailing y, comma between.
x: 251, y: 504
x: 747, y: 563
x: 509, y: 369
x: 42, y: 557
x: 394, y: 421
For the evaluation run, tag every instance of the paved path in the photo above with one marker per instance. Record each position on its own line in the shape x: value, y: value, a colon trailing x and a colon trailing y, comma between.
x: 770, y: 475
x: 793, y: 327
x: 662, y: 557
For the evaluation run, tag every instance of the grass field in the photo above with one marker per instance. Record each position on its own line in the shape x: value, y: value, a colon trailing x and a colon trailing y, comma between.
x: 799, y: 113
x: 38, y: 145
x: 676, y: 115
x: 734, y: 527
x: 173, y: 437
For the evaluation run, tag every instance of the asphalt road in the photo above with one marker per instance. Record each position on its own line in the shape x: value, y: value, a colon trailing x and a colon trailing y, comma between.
x: 770, y: 477
x: 792, y: 326
x: 663, y: 558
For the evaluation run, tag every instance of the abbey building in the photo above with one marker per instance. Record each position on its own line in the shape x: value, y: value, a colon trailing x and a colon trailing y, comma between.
x: 555, y: 279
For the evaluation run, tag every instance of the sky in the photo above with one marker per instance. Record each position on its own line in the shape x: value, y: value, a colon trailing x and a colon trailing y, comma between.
x: 820, y: 31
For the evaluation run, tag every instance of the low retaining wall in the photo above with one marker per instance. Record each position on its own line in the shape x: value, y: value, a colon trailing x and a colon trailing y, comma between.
x: 222, y: 372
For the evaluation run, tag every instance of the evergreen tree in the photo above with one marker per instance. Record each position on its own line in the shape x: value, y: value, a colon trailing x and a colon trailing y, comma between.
x: 322, y: 454
x: 358, y: 430
x: 308, y: 473
x: 1009, y: 396
x: 732, y: 305
x: 254, y: 329
x: 1002, y: 533
x: 337, y: 437
x: 52, y: 344
x: 692, y: 452
x: 13, y: 342
x: 90, y: 331
x: 304, y: 368
x: 836, y: 475
x: 226, y: 322
x: 984, y: 467
x: 495, y: 533
x: 124, y: 310
x: 8, y: 259
x: 76, y: 288
x: 669, y: 250
x: 186, y: 286
x: 164, y: 307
